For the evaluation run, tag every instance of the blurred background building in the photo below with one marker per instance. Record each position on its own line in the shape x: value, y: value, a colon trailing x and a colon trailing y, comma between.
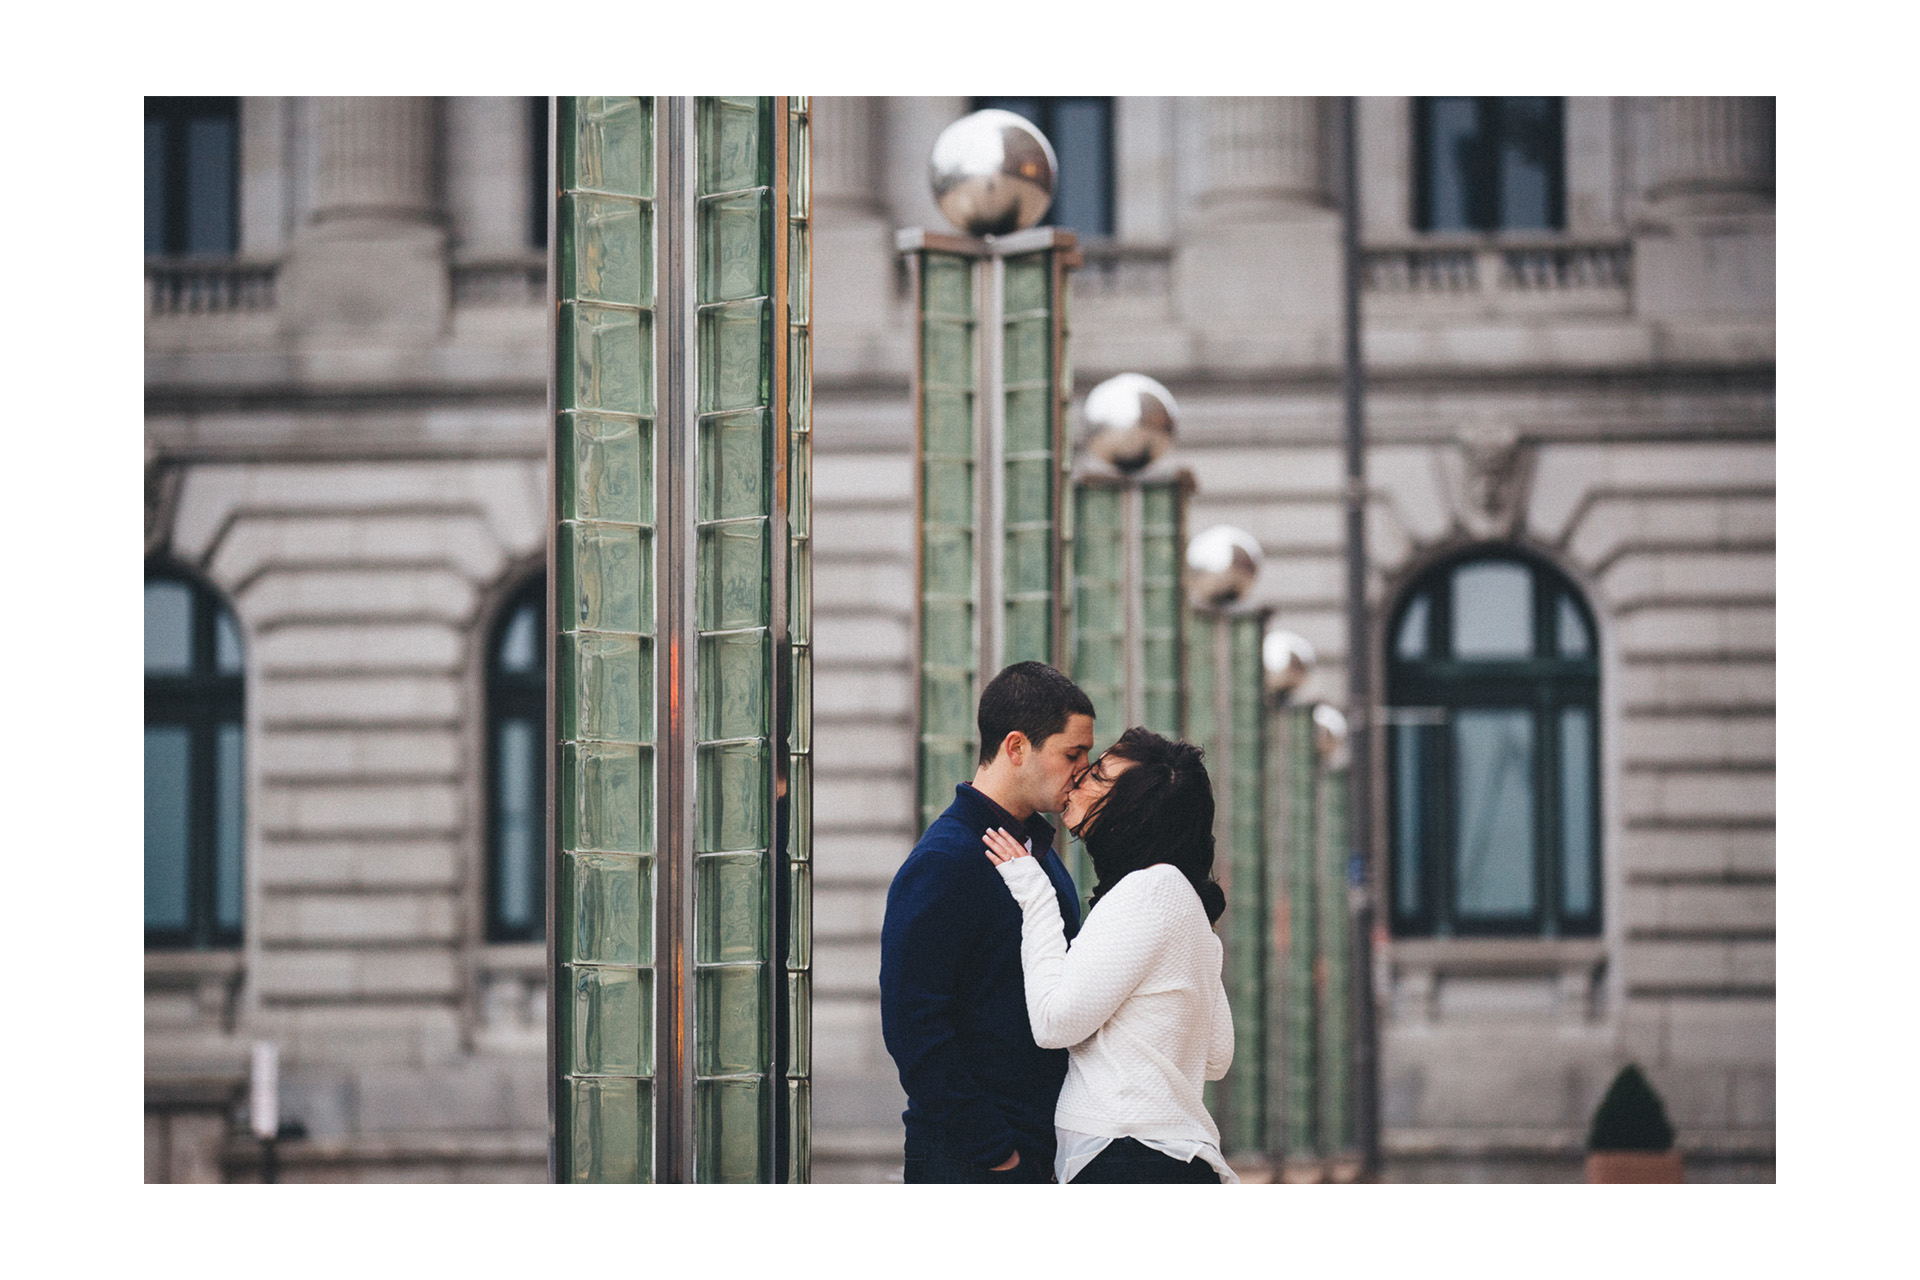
x: 1569, y: 333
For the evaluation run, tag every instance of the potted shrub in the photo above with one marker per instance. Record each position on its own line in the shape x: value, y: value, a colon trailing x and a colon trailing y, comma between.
x: 1630, y: 1139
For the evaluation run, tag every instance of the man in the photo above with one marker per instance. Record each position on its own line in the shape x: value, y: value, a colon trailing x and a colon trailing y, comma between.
x: 953, y: 1009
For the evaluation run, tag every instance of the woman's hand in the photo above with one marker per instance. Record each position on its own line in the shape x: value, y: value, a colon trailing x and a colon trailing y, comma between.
x: 1002, y: 847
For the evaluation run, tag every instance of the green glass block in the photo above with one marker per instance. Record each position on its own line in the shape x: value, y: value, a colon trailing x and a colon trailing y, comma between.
x: 1029, y: 420
x: 800, y: 808
x: 1099, y: 613
x: 606, y: 249
x: 947, y: 354
x: 945, y: 763
x: 607, y: 1021
x: 730, y: 1020
x: 1160, y: 658
x: 727, y: 1127
x: 730, y: 910
x: 799, y: 1021
x: 800, y: 591
x: 946, y: 636
x: 799, y: 380
x: 1160, y: 507
x: 608, y: 1130
x: 611, y: 144
x: 799, y: 276
x: 1160, y: 560
x: 946, y: 701
x: 1029, y: 352
x: 800, y: 690
x: 1030, y: 491
x: 732, y: 135
x: 1029, y: 631
x: 735, y: 461
x: 800, y: 486
x: 1096, y: 536
x: 606, y: 687
x: 734, y: 344
x: 1160, y: 602
x: 1029, y: 560
x: 949, y: 423
x: 947, y: 566
x: 607, y: 468
x: 1099, y: 660
x: 734, y: 676
x: 736, y: 252
x: 606, y: 359
x: 606, y: 578
x: 1160, y: 710
x: 947, y: 285
x: 799, y: 168
x: 730, y: 797
x: 799, y: 916
x: 799, y: 1132
x: 1027, y: 283
x: 947, y: 492
x: 731, y: 576
x: 606, y: 908
x: 606, y: 797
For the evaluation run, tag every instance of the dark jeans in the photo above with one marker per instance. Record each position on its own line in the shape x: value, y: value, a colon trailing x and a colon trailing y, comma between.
x: 927, y: 1161
x: 1126, y: 1160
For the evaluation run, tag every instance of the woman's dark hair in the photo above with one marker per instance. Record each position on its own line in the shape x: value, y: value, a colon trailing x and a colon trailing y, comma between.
x: 1160, y: 810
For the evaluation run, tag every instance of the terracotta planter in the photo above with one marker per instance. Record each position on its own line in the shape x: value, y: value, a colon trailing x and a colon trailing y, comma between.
x: 1633, y: 1166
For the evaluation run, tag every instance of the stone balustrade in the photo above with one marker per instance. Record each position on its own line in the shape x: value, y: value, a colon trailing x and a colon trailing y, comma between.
x: 209, y: 286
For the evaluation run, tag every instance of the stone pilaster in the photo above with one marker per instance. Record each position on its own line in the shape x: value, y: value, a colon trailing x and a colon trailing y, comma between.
x: 1257, y: 282
x: 371, y: 256
x: 853, y: 270
x: 1716, y: 153
x: 1704, y: 243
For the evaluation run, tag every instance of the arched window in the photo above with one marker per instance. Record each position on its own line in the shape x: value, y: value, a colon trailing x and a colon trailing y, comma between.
x: 1493, y: 752
x: 516, y: 769
x: 195, y: 780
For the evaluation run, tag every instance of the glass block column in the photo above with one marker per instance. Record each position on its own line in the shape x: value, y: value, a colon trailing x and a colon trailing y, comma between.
x: 991, y: 380
x: 1299, y: 1001
x: 1335, y: 936
x: 683, y: 796
x: 1128, y: 606
x: 1224, y: 712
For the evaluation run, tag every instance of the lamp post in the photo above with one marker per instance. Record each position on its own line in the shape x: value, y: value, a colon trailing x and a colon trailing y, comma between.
x: 991, y: 377
x: 1225, y: 692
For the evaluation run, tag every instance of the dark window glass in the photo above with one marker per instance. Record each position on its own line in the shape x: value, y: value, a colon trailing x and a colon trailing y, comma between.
x: 1081, y: 131
x: 195, y: 767
x: 1493, y: 789
x: 516, y: 772
x: 537, y: 171
x: 1489, y: 164
x: 192, y: 187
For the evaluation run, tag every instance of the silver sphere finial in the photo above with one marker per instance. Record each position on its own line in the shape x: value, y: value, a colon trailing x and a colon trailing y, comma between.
x: 992, y: 173
x: 1130, y: 421
x: 1286, y: 657
x: 1329, y: 733
x: 1222, y: 563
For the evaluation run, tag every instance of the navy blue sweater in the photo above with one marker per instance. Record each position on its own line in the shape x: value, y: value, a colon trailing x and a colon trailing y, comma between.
x: 953, y: 1005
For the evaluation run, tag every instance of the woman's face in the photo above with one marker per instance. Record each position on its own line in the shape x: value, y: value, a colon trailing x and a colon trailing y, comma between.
x: 1093, y: 784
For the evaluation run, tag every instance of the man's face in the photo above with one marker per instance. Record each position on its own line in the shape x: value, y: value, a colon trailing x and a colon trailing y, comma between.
x: 1051, y: 769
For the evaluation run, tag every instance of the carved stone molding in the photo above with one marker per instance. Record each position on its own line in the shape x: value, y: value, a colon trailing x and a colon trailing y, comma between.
x: 1488, y: 477
x: 1266, y: 151
x: 162, y: 497
x: 1713, y: 147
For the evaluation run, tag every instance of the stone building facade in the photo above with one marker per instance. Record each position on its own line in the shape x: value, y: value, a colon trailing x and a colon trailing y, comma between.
x: 345, y: 443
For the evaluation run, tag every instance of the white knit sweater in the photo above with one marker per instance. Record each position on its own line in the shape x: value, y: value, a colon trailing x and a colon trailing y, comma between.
x: 1137, y: 1003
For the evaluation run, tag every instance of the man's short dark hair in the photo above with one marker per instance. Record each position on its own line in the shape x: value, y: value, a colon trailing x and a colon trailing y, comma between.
x: 1031, y: 697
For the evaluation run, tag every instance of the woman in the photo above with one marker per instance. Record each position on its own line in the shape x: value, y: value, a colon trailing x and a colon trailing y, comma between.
x: 1138, y: 1002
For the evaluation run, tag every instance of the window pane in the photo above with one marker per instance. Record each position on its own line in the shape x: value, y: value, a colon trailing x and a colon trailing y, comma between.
x: 1492, y: 610
x: 229, y: 834
x: 517, y: 840
x: 210, y: 186
x: 168, y: 772
x: 1529, y: 163
x: 1409, y: 851
x: 1577, y: 818
x: 169, y: 616
x: 1574, y: 640
x: 1453, y: 146
x: 226, y: 644
x: 520, y: 643
x: 156, y: 187
x: 1081, y: 129
x: 1493, y: 813
x: 1412, y: 640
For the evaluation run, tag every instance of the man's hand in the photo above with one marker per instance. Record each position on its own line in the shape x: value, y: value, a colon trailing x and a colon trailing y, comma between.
x: 1011, y: 1162
x: 1002, y: 847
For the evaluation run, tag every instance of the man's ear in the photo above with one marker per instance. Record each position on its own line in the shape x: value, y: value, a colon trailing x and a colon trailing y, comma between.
x: 1014, y: 745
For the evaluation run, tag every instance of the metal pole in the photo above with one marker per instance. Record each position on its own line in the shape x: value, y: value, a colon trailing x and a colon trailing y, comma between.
x: 1360, y: 874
